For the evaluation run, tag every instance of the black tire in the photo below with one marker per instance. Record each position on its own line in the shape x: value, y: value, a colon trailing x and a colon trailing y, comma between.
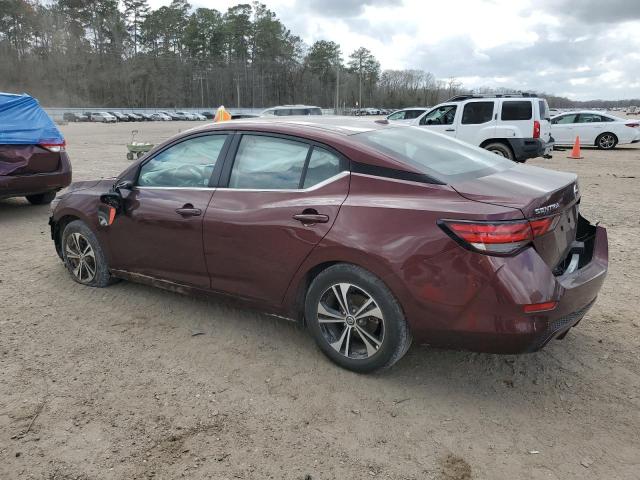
x: 41, y: 198
x: 396, y: 337
x: 500, y: 149
x: 130, y: 156
x: 606, y: 141
x: 101, y: 276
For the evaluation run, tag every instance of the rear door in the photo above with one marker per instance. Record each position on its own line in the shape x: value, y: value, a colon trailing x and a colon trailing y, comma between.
x: 477, y: 122
x: 516, y: 119
x: 563, y: 128
x: 441, y: 119
x: 159, y: 234
x: 279, y: 196
x: 588, y: 127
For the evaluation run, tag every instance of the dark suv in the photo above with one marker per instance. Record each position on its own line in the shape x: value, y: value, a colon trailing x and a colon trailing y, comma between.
x: 33, y: 161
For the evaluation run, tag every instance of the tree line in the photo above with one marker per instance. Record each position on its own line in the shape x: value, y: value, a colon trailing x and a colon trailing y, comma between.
x: 123, y: 53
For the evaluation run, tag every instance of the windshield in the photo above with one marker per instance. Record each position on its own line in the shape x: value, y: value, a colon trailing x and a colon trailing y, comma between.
x: 437, y: 155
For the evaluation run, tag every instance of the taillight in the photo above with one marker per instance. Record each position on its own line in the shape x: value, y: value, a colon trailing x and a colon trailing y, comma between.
x: 498, y: 238
x: 536, y: 129
x: 633, y: 125
x: 54, y: 147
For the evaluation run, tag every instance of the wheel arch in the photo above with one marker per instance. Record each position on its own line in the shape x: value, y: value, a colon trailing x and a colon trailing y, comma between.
x: 315, y: 264
x: 595, y: 143
x: 58, y: 227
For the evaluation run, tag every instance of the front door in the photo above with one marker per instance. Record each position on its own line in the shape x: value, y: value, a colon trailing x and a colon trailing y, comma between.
x: 159, y: 233
x: 588, y: 127
x: 563, y: 128
x: 281, y: 197
x: 441, y: 120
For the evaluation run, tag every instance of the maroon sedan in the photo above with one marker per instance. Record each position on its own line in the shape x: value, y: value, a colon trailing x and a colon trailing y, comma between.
x: 371, y: 234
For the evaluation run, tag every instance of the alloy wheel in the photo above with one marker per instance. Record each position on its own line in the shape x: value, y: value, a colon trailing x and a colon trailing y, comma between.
x: 351, y: 321
x: 607, y: 141
x: 81, y: 257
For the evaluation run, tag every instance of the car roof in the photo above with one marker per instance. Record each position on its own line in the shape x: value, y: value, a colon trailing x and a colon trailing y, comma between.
x: 331, y: 130
x: 303, y: 125
x: 591, y: 112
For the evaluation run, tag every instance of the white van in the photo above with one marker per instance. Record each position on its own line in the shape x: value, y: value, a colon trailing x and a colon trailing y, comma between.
x: 515, y: 126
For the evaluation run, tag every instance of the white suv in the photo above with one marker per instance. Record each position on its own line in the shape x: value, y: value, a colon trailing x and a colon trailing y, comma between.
x: 515, y: 126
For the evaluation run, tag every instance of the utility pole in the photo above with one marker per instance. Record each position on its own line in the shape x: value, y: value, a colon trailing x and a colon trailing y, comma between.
x: 337, y: 84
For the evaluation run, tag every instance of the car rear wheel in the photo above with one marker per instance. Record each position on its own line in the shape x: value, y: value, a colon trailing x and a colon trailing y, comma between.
x: 41, y: 198
x: 83, y: 256
x: 500, y: 149
x: 606, y: 141
x: 355, y: 320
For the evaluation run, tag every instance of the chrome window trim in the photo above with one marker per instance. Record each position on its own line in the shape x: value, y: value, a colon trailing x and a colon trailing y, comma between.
x: 172, y: 188
x: 314, y: 187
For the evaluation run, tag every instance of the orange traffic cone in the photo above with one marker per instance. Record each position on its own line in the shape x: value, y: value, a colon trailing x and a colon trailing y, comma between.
x: 222, y: 115
x: 575, y: 152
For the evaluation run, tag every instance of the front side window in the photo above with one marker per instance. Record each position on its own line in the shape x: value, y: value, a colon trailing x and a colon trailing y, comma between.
x: 440, y: 116
x: 477, y: 112
x: 268, y: 163
x: 564, y: 119
x: 187, y: 164
x: 322, y: 165
x: 516, y: 110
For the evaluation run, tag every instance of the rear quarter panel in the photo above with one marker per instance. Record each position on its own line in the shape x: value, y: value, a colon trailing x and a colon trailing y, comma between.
x: 389, y: 228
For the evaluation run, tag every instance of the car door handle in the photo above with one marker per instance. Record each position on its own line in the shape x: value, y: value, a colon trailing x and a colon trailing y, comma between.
x: 188, y: 210
x: 450, y: 130
x: 311, y: 218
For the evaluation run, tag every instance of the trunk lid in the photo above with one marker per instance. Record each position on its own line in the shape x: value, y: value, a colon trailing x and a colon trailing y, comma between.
x: 27, y: 160
x: 537, y: 193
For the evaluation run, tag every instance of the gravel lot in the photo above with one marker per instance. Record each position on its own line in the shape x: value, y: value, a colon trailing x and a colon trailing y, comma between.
x: 112, y: 383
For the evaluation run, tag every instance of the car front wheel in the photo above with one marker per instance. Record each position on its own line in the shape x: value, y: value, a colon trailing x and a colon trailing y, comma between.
x: 83, y: 256
x: 355, y: 319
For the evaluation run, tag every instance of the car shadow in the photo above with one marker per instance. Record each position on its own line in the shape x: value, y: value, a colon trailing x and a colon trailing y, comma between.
x: 19, y: 208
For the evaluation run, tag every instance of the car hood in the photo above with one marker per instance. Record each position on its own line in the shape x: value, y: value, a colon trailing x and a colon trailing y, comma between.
x: 524, y: 187
x: 106, y: 183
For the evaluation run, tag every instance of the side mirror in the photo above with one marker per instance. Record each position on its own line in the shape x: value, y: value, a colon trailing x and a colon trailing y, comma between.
x: 429, y: 122
x: 123, y: 185
x: 112, y: 199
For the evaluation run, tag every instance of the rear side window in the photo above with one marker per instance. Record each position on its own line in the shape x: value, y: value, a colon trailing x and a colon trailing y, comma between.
x: 409, y: 114
x: 516, y: 110
x: 477, y: 112
x: 322, y: 165
x: 401, y: 115
x: 441, y: 157
x: 592, y: 117
x: 268, y: 163
x: 543, y: 109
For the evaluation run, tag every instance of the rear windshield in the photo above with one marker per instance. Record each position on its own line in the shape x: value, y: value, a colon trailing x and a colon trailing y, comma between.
x: 443, y: 158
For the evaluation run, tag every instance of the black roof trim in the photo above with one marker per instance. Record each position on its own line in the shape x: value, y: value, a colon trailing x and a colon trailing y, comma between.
x: 376, y: 171
x: 460, y: 98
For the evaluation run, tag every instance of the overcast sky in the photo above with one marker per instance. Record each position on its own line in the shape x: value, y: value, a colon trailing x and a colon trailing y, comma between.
x: 582, y: 49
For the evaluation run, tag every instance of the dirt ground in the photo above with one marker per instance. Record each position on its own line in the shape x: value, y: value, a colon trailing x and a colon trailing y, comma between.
x: 134, y: 382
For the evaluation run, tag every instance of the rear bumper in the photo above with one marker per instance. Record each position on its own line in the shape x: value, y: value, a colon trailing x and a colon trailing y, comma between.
x: 525, y: 148
x: 492, y: 319
x: 22, y: 185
